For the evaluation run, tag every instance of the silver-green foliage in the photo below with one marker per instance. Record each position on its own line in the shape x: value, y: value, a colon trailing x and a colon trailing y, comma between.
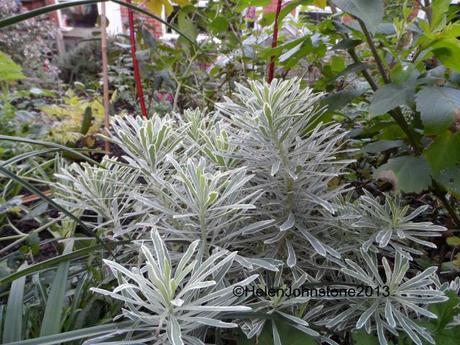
x: 396, y: 299
x: 171, y: 301
x: 105, y: 190
x: 250, y: 191
x: 293, y: 159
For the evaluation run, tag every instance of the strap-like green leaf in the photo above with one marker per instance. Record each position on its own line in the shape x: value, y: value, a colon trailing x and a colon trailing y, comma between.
x: 55, y: 304
x: 57, y: 260
x: 47, y: 144
x: 12, y: 330
x: 77, y: 334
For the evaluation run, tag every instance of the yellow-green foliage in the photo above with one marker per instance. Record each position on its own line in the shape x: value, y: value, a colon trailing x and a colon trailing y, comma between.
x: 69, y: 118
x: 9, y: 70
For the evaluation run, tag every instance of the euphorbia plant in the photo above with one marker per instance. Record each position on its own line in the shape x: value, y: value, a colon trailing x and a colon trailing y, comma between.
x: 247, y: 192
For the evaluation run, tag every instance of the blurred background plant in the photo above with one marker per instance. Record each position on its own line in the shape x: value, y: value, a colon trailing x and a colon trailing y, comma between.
x: 31, y: 43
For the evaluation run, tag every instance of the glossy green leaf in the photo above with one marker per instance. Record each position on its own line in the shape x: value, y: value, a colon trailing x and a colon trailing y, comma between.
x: 186, y: 25
x: 243, y: 4
x: 369, y: 11
x: 445, y: 312
x: 389, y: 97
x: 340, y: 99
x: 444, y: 152
x: 337, y: 64
x: 382, y: 145
x: 447, y: 51
x: 353, y: 68
x: 347, y: 44
x: 277, y: 51
x: 219, y: 24
x: 407, y: 174
x: 450, y: 179
x: 438, y: 107
x: 291, y: 6
x: 453, y: 241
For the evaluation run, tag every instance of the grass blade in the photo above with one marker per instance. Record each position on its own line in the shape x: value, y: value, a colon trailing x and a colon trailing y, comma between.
x: 12, y: 331
x: 57, y: 260
x: 77, y: 334
x: 2, y: 307
x: 55, y: 304
x: 46, y: 143
x: 27, y: 155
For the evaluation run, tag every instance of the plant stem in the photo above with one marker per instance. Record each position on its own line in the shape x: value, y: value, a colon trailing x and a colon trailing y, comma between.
x: 202, y: 254
x: 365, y: 73
x: 271, y: 67
x: 181, y: 82
x: 105, y: 76
x: 375, y: 53
x: 137, y: 75
x: 395, y: 113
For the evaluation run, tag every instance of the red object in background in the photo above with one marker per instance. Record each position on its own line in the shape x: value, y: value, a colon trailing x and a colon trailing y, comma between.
x: 137, y: 74
x: 271, y: 67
